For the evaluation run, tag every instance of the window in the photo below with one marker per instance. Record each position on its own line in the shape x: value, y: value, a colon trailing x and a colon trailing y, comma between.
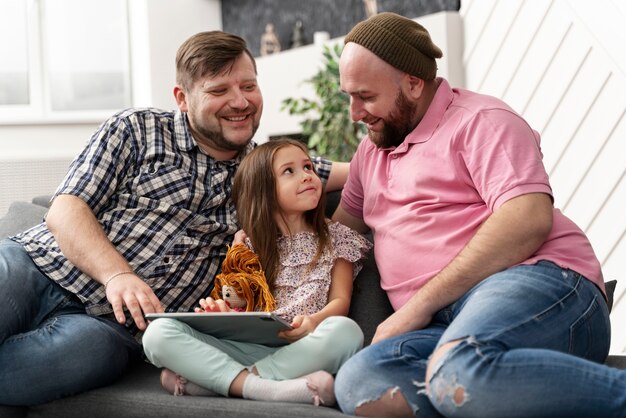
x: 68, y: 58
x: 14, y: 89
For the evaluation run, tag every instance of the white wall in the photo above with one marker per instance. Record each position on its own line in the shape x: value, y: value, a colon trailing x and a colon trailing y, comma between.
x: 167, y: 24
x: 562, y: 65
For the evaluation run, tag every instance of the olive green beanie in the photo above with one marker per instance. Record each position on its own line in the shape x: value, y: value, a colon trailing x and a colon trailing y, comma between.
x: 399, y: 41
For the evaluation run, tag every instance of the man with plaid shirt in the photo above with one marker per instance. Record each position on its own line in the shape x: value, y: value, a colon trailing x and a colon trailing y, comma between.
x: 140, y: 224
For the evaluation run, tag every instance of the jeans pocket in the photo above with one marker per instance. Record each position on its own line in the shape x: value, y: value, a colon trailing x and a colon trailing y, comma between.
x: 589, y: 333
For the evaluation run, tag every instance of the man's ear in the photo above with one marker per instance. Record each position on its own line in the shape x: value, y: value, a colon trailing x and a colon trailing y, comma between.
x: 181, y: 98
x: 415, y: 86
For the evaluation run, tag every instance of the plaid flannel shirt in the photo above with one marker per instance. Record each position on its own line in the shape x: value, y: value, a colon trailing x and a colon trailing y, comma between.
x: 164, y: 204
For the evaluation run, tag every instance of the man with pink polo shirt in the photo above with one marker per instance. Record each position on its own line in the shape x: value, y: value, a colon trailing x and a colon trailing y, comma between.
x: 499, y: 299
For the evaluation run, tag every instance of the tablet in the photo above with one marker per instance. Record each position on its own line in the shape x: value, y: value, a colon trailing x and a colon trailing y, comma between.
x: 251, y: 327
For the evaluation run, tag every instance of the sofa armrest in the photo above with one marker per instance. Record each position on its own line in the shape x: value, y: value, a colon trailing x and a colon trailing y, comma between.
x: 43, y: 200
x: 20, y: 217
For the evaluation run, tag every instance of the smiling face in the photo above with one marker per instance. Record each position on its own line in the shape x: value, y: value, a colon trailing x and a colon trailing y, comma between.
x: 377, y: 95
x: 298, y: 188
x: 223, y: 110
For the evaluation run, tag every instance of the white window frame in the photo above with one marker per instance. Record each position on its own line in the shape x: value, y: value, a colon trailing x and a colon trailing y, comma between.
x: 38, y: 111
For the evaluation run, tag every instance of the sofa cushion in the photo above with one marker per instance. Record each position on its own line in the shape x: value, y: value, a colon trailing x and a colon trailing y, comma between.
x: 20, y: 217
x: 43, y: 200
x: 610, y: 290
x: 369, y: 305
x: 139, y: 394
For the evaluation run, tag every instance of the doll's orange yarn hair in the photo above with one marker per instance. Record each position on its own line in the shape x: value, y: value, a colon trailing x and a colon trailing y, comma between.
x: 242, y: 271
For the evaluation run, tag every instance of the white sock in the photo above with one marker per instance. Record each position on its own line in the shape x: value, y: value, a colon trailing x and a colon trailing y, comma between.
x: 259, y: 389
x: 314, y: 389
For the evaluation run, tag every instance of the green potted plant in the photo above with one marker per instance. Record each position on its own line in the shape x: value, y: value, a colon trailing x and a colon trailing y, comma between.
x: 328, y: 128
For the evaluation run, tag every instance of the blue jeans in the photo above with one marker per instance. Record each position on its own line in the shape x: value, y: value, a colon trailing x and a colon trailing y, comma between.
x: 49, y: 346
x: 532, y: 340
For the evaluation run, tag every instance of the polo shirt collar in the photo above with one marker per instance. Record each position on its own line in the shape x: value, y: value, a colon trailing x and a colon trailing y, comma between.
x: 432, y: 118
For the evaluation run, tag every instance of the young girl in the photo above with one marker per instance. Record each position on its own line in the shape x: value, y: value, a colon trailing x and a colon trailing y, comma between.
x: 309, y: 264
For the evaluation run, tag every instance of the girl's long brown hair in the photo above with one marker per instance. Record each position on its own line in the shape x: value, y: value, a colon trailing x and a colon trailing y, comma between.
x: 254, y: 195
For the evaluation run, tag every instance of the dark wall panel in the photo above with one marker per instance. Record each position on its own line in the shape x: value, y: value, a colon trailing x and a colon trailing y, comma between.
x: 248, y: 18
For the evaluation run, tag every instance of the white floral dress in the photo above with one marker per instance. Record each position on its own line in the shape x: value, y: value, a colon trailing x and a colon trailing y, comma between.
x: 300, y: 290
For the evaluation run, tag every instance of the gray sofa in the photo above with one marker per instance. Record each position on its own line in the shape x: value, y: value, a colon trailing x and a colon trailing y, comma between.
x: 139, y: 393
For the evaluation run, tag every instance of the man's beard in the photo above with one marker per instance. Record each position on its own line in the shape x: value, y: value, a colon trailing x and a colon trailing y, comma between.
x: 398, y: 125
x: 217, y: 139
x: 220, y: 142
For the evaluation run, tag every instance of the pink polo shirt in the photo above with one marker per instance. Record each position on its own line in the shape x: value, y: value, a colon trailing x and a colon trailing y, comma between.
x: 425, y: 199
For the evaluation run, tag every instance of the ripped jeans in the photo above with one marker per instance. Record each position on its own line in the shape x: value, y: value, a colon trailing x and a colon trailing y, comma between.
x: 532, y: 340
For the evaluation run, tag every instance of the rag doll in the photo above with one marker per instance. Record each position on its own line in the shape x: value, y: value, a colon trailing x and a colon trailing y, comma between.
x: 242, y: 284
